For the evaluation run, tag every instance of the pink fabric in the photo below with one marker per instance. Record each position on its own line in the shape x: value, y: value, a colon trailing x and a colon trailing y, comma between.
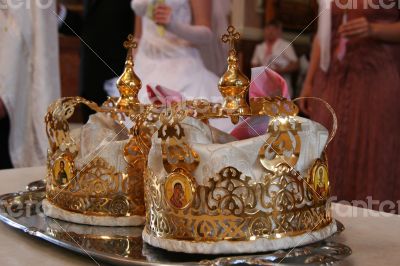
x: 342, y: 45
x: 163, y: 96
x: 341, y: 49
x: 268, y: 83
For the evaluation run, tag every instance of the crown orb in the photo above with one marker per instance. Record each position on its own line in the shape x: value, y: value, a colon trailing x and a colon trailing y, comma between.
x: 234, y: 85
x: 129, y: 83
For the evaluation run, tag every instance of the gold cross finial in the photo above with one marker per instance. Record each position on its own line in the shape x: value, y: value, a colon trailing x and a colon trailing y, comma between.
x: 130, y: 43
x: 231, y: 37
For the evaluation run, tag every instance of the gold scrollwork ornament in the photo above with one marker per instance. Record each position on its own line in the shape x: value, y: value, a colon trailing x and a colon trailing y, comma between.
x: 177, y: 154
x: 283, y: 144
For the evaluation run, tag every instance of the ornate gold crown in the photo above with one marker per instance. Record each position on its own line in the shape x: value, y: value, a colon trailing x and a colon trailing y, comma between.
x: 184, y: 215
x: 97, y: 188
x: 229, y: 205
x: 232, y: 206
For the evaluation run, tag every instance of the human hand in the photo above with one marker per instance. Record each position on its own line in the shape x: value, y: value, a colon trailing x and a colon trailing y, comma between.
x: 3, y: 110
x: 162, y: 14
x: 356, y: 28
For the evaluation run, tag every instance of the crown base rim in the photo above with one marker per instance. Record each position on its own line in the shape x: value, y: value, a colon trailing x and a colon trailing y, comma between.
x: 240, y: 247
x: 55, y: 212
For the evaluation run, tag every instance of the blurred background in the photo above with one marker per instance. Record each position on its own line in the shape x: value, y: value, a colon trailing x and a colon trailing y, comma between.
x: 248, y: 16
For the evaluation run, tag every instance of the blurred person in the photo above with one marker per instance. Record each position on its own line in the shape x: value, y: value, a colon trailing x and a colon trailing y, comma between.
x: 103, y: 28
x: 355, y: 67
x: 29, y: 81
x: 170, y: 35
x: 179, y: 48
x: 276, y: 53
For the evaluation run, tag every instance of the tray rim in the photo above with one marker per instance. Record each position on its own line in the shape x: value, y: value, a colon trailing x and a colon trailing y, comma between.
x: 108, y: 257
x: 36, y: 232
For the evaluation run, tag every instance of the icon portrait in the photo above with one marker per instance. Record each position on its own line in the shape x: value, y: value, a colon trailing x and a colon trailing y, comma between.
x: 321, y: 180
x: 62, y: 171
x: 178, y: 190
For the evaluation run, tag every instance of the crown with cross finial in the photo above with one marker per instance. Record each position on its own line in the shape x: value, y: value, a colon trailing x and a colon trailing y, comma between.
x: 105, y: 186
x: 201, y: 197
x: 212, y: 198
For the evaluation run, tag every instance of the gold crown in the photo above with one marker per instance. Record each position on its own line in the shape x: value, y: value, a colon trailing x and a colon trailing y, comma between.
x: 230, y: 206
x: 97, y: 188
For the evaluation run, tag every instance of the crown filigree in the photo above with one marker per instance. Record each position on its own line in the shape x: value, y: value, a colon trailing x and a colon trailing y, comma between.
x: 233, y: 206
x: 228, y: 205
x: 96, y: 188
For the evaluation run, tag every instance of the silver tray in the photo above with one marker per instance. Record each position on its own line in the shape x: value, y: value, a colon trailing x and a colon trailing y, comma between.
x: 124, y: 245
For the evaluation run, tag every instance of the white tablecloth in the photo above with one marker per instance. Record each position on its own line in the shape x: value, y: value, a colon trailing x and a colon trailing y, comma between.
x: 374, y: 237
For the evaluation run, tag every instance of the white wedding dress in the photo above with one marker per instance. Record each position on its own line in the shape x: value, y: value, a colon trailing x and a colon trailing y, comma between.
x: 29, y: 77
x: 174, y: 63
